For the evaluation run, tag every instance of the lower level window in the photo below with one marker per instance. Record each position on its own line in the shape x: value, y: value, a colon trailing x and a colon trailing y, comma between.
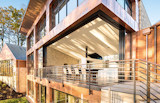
x: 31, y: 89
x: 41, y: 94
x: 61, y: 97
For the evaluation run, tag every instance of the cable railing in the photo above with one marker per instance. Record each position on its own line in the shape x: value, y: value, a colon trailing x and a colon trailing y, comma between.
x: 138, y: 77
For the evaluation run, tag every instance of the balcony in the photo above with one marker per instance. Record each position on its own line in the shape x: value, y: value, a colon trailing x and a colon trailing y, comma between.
x: 136, y: 77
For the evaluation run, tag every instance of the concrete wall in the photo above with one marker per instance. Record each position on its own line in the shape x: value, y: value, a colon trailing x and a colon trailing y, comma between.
x: 143, y: 16
x: 57, y: 58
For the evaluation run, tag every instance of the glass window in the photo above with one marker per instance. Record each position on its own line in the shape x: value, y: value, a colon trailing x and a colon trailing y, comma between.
x: 128, y: 7
x: 61, y: 97
x: 40, y: 58
x: 41, y: 94
x: 40, y: 61
x: 31, y: 89
x: 6, y: 68
x: 31, y: 64
x: 31, y: 40
x: 56, y: 19
x: 80, y: 1
x: 121, y: 2
x: 41, y: 28
x: 71, y: 5
x: 54, y: 14
x: 62, y: 12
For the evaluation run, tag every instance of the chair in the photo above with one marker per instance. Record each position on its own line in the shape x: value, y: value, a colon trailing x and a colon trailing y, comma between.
x: 83, y: 76
x: 65, y: 73
x: 69, y: 73
x: 76, y: 74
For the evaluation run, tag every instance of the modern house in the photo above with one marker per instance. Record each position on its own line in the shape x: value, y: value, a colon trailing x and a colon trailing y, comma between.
x: 13, y: 67
x: 91, y: 51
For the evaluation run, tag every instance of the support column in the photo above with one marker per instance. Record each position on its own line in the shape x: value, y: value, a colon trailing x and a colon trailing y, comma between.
x: 121, y: 52
x: 155, y: 49
x: 48, y: 93
x: 35, y: 92
x: 121, y: 44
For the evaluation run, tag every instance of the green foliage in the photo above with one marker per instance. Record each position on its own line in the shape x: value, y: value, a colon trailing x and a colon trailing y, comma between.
x: 4, y: 85
x: 10, y: 21
x: 20, y: 95
x: 0, y: 83
x: 4, y: 92
x: 1, y: 95
x: 17, y: 100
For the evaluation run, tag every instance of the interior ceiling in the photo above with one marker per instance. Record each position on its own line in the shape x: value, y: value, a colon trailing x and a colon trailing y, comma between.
x: 99, y: 36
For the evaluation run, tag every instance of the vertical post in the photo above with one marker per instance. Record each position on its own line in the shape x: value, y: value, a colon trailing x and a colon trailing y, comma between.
x: 89, y: 80
x: 146, y: 47
x: 40, y: 73
x: 49, y: 74
x: 62, y: 77
x: 109, y: 95
x: 134, y: 80
x: 86, y: 51
x: 155, y: 50
x: 148, y: 83
x: 81, y: 98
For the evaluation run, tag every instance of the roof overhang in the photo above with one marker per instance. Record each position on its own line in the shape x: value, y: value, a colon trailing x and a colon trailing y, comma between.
x: 33, y: 9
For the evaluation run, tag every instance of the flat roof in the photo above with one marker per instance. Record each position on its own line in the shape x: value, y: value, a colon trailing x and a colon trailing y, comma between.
x: 33, y: 9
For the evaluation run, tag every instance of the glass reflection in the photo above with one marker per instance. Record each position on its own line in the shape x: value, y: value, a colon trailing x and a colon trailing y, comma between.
x: 62, y: 12
x: 71, y: 5
x: 61, y: 97
x: 80, y: 1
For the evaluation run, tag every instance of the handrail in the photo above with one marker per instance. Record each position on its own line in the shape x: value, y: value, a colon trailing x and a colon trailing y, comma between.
x: 117, y: 74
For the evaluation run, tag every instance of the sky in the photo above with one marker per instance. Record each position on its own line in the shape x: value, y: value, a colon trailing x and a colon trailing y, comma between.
x: 151, y: 7
x: 15, y: 3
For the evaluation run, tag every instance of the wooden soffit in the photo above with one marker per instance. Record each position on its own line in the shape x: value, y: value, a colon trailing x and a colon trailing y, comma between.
x: 33, y: 9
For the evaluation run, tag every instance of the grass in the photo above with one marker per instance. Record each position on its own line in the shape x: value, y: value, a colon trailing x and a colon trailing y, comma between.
x: 15, y: 100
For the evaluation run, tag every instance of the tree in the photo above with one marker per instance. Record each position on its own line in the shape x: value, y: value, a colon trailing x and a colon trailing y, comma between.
x: 16, y: 18
x: 10, y: 21
x: 3, y: 24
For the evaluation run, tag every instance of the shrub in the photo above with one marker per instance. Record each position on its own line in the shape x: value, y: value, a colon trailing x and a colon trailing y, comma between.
x: 19, y: 96
x: 4, y: 92
x: 7, y: 88
x: 4, y: 85
x: 0, y: 83
x: 1, y: 95
x: 9, y: 97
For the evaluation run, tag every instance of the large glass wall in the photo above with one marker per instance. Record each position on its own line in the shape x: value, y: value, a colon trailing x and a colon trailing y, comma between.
x: 61, y: 8
x: 31, y: 89
x: 31, y: 40
x: 41, y: 28
x: 41, y: 94
x: 126, y: 4
x: 31, y: 64
x: 6, y: 68
x: 61, y: 97
x: 40, y: 60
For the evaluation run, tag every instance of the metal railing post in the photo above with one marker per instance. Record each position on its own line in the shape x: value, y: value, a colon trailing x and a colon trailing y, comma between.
x: 40, y: 73
x: 62, y: 77
x: 148, y: 83
x: 134, y: 79
x: 89, y: 80
x: 109, y: 95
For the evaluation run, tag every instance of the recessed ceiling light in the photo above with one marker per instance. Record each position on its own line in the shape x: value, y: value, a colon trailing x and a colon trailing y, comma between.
x: 67, y: 36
